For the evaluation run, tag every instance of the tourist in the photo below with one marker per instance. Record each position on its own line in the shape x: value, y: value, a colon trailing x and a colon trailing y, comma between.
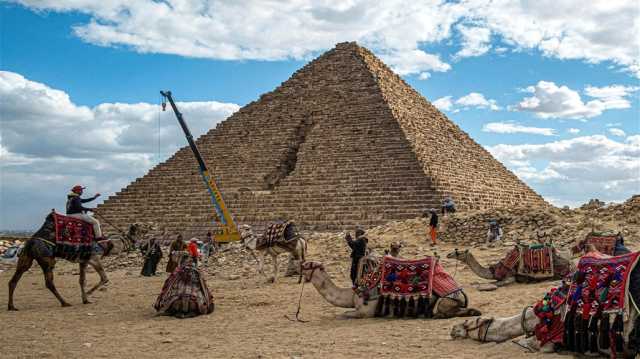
x: 152, y: 256
x: 495, y: 232
x: 177, y: 245
x: 358, y: 250
x: 448, y: 206
x: 185, y: 293
x: 433, y: 224
x: 76, y: 210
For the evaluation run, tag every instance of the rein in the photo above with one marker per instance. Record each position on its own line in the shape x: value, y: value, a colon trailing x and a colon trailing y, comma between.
x: 297, y: 317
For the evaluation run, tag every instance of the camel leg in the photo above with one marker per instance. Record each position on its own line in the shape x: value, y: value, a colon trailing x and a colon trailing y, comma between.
x: 24, y: 263
x: 260, y: 259
x: 47, y: 264
x: 450, y: 308
x: 101, y: 272
x: 83, y: 282
x: 506, y: 281
x: 275, y: 267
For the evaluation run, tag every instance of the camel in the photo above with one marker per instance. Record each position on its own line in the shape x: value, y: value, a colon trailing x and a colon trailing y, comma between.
x: 442, y: 308
x: 560, y: 268
x: 503, y: 329
x: 293, y: 244
x: 38, y: 248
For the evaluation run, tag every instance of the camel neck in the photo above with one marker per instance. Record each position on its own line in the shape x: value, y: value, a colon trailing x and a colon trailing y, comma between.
x: 339, y: 297
x: 477, y: 268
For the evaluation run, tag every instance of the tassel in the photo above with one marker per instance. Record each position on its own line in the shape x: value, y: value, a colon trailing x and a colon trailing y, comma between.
x: 387, y: 306
x: 593, y: 334
x: 403, y: 307
x: 605, y: 327
x: 430, y: 306
x: 379, y: 307
x: 411, y: 308
x: 618, y: 328
x: 396, y: 308
x: 422, y: 307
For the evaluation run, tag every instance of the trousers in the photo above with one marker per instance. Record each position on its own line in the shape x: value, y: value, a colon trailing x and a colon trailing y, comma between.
x: 87, y: 218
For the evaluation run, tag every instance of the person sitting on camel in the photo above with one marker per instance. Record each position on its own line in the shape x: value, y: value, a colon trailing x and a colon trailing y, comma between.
x: 76, y: 210
x: 358, y: 250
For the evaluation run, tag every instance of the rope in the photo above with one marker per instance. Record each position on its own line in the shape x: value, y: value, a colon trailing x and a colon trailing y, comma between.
x: 297, y: 319
x: 128, y: 242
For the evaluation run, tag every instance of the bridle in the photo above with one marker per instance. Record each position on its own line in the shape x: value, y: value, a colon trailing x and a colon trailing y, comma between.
x: 304, y: 266
x: 479, y: 324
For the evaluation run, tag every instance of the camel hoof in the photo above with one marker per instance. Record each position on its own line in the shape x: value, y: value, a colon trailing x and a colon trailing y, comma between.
x: 65, y: 304
x: 86, y: 301
x: 271, y: 280
x: 12, y: 309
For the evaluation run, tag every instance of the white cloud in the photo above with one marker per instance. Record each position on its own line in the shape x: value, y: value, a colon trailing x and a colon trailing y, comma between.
x: 617, y: 132
x: 424, y: 76
x: 477, y: 100
x: 507, y: 127
x: 577, y: 169
x: 49, y: 140
x: 552, y: 101
x: 476, y: 41
x: 273, y: 30
x: 413, y: 62
x: 573, y: 131
x: 443, y: 103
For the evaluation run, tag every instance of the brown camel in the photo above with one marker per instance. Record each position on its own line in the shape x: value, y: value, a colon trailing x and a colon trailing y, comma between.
x: 40, y: 248
x: 561, y: 267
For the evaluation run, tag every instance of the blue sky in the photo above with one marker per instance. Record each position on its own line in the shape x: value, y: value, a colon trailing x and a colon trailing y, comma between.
x: 555, y: 99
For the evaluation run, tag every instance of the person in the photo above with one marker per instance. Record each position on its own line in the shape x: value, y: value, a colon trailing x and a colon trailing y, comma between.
x: 620, y: 248
x: 358, y: 250
x: 433, y: 224
x: 448, y: 206
x: 185, y: 293
x: 193, y: 250
x: 152, y: 256
x: 495, y: 232
x: 75, y: 209
x: 177, y: 245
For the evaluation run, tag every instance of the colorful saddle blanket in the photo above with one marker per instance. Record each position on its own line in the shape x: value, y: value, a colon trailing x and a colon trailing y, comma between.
x: 402, y: 278
x: 604, y: 244
x: 602, y: 284
x: 536, y: 262
x: 74, y: 238
x: 282, y: 233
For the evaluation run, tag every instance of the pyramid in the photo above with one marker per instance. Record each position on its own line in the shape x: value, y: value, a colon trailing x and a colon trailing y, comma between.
x: 343, y: 142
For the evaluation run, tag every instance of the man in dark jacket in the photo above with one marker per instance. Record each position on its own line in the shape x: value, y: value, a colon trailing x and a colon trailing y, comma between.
x: 76, y: 210
x: 358, y: 250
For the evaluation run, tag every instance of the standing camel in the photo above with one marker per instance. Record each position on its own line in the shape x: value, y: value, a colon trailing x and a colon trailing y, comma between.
x: 41, y: 248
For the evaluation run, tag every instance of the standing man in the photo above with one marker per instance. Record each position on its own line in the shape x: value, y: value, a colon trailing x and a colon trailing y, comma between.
x: 76, y: 210
x: 495, y: 232
x: 448, y: 206
x: 358, y: 250
x: 433, y: 226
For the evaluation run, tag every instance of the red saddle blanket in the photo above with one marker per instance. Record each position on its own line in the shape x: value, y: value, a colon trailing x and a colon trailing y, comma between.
x: 602, y: 283
x: 604, y: 244
x: 74, y: 237
x: 401, y: 278
x: 537, y: 262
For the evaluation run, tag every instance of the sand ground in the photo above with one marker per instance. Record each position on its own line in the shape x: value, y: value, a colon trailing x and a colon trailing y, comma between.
x: 248, y: 322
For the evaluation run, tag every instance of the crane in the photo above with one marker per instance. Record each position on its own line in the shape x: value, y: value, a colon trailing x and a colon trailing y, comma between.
x: 228, y: 230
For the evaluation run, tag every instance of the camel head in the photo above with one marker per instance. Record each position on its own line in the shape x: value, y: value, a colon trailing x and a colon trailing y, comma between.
x: 394, y: 248
x: 459, y: 255
x: 308, y: 268
x: 469, y: 327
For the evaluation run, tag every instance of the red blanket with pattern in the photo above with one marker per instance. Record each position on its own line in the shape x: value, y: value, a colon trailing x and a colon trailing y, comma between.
x: 602, y: 282
x: 402, y: 278
x: 74, y: 237
x: 536, y: 261
x: 604, y: 244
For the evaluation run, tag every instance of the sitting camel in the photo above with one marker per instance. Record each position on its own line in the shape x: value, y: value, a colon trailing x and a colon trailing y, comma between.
x: 41, y: 248
x: 561, y: 267
x: 503, y: 329
x: 290, y: 242
x: 447, y: 307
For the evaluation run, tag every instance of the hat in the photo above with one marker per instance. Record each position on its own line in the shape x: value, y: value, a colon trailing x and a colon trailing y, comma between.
x: 77, y: 188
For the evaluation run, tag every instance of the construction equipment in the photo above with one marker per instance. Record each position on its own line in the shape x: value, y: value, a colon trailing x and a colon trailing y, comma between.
x: 228, y: 230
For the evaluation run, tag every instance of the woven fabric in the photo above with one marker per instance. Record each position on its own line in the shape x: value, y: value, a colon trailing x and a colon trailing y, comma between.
x: 443, y: 283
x: 550, y: 327
x: 604, y: 244
x: 537, y: 262
x: 185, y: 293
x: 281, y: 234
x: 602, y: 283
x: 74, y: 238
x: 507, y: 265
x: 407, y: 278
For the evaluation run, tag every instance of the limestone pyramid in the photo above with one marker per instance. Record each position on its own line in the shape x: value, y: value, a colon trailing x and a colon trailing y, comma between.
x: 343, y: 142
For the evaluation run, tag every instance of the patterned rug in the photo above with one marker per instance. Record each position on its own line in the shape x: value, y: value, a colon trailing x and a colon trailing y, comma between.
x: 536, y: 262
x: 549, y: 312
x: 74, y: 238
x: 604, y: 244
x: 281, y: 233
x: 401, y: 278
x: 507, y: 265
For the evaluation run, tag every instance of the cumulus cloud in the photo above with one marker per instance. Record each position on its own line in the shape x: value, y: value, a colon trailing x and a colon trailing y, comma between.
x: 48, y: 139
x: 617, y: 132
x: 577, y: 169
x: 473, y: 100
x: 443, y: 103
x: 214, y: 29
x: 573, y: 131
x: 552, y: 101
x: 507, y: 127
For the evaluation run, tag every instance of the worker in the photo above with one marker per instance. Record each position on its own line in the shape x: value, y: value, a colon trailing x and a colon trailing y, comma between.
x: 448, y: 206
x: 358, y: 250
x: 495, y: 232
x: 76, y: 210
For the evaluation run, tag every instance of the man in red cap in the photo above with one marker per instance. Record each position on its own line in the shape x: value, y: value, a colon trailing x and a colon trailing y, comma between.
x: 76, y: 210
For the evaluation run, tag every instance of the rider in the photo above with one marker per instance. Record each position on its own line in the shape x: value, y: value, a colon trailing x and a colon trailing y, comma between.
x: 76, y: 210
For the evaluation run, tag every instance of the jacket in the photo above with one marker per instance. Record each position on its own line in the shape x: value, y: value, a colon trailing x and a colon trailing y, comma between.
x: 358, y: 246
x: 74, y: 203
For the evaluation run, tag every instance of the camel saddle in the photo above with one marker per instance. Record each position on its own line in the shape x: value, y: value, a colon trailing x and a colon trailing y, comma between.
x: 603, y: 243
x: 75, y: 239
x: 282, y: 234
